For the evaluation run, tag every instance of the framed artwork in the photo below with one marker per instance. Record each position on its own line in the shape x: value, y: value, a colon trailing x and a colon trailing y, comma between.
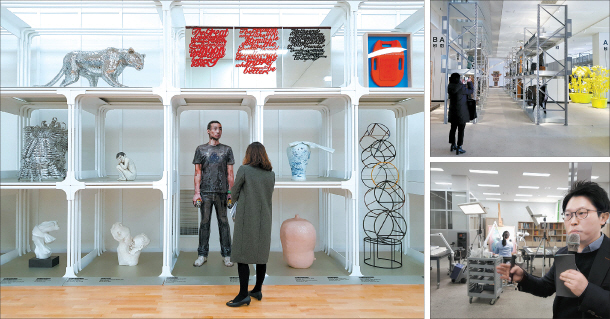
x: 387, y: 59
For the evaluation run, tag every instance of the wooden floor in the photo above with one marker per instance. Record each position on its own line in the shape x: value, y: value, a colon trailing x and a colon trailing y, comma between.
x: 353, y: 301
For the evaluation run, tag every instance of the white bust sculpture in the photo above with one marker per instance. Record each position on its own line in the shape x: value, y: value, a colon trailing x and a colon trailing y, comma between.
x: 129, y: 248
x: 41, y: 237
x: 126, y: 167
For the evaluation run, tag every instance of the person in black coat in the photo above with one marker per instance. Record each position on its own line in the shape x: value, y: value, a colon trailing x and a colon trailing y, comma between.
x: 586, y: 209
x: 458, y: 110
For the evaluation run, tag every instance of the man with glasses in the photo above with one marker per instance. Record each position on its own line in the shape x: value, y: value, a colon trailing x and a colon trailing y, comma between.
x: 586, y: 209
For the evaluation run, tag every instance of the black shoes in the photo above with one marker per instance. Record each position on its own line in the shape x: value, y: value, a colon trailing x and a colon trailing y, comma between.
x: 245, y: 301
x: 459, y: 150
x: 258, y: 295
x: 453, y: 147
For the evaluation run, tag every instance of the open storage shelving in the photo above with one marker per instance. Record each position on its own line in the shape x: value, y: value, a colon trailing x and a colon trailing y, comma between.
x: 86, y: 115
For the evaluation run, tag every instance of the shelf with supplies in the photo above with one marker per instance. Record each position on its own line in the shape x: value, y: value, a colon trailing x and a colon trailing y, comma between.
x: 556, y: 233
x: 483, y: 280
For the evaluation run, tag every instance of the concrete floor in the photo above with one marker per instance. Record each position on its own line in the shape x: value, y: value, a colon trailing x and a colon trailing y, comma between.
x: 504, y: 130
x: 451, y: 300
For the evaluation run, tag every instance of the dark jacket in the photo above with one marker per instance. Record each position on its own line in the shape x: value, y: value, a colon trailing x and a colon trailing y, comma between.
x: 458, y: 109
x: 594, y: 301
x: 252, y: 191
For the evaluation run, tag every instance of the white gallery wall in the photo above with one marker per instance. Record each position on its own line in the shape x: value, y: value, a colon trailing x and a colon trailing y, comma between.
x: 515, y: 212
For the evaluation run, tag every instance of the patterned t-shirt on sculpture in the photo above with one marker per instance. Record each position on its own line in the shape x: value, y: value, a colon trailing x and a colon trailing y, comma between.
x: 214, y: 160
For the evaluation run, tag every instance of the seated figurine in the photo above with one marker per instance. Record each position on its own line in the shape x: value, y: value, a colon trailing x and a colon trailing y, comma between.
x: 126, y: 167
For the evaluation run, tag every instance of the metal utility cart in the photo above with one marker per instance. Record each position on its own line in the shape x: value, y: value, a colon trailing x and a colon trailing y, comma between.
x: 483, y: 280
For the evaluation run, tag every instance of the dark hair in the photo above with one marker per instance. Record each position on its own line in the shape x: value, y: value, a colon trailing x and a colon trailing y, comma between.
x: 505, y: 235
x: 256, y: 156
x: 212, y: 122
x: 454, y: 78
x: 593, y: 192
x: 119, y: 154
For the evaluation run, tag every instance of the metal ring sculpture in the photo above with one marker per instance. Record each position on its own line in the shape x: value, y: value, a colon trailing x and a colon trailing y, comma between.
x: 383, y: 225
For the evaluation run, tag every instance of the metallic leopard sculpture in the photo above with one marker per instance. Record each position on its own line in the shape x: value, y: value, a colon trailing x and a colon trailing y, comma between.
x: 107, y: 64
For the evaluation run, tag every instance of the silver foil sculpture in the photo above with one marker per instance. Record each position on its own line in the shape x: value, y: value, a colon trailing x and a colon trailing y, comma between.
x: 107, y: 64
x: 44, y: 152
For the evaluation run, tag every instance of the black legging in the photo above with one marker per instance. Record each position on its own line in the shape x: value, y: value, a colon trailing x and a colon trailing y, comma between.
x: 244, y: 274
x: 460, y: 129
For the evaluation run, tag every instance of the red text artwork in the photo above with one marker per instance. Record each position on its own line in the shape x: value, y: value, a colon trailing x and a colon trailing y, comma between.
x: 207, y: 46
x: 258, y: 51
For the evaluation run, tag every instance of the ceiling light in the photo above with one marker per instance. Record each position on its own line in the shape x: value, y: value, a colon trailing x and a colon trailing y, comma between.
x: 536, y: 174
x: 594, y: 177
x: 557, y: 196
x: 562, y: 188
x: 494, y: 194
x: 521, y: 200
x: 482, y: 171
x: 530, y: 187
x: 525, y: 195
x: 493, y: 199
x: 459, y: 195
x: 488, y: 185
x: 472, y: 208
x: 328, y: 78
x: 436, y: 169
x: 442, y: 183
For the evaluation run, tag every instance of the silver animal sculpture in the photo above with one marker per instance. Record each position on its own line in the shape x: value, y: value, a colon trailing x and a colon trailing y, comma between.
x: 107, y: 64
x: 44, y: 152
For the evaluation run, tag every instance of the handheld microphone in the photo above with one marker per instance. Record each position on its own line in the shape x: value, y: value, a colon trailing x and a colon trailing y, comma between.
x: 573, y: 241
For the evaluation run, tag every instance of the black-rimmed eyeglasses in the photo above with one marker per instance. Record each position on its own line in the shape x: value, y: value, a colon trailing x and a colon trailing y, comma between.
x: 580, y: 214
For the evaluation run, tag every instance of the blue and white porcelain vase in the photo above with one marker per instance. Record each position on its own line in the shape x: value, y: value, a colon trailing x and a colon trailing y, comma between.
x: 298, y: 157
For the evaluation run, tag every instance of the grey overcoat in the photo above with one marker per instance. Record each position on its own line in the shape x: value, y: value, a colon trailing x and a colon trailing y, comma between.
x: 252, y: 191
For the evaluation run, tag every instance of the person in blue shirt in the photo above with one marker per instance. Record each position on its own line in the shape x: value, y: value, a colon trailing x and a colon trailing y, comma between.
x: 504, y: 249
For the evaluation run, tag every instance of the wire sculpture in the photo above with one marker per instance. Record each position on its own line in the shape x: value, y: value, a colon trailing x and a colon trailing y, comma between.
x: 383, y: 225
x: 44, y: 152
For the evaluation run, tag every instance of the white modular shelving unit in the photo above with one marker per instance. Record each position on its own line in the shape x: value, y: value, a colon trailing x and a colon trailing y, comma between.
x: 91, y: 113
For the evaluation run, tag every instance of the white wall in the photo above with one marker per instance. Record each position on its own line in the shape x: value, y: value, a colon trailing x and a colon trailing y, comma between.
x: 8, y: 62
x: 9, y: 160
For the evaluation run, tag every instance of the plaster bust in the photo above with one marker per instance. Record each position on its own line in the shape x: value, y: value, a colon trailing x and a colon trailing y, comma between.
x: 126, y: 167
x: 41, y: 237
x: 128, y: 251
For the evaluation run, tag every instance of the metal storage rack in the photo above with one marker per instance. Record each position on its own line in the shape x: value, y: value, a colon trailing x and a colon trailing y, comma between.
x: 537, y: 44
x: 482, y: 275
x: 471, y: 39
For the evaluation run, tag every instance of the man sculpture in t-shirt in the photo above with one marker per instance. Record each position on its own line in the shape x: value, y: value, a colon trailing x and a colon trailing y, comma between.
x: 213, y: 178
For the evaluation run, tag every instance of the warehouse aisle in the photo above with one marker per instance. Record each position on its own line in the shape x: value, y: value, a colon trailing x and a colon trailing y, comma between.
x: 505, y: 130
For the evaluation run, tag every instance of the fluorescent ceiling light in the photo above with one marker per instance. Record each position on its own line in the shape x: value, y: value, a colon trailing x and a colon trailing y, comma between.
x: 594, y: 177
x: 488, y: 185
x: 493, y: 199
x: 494, y: 194
x: 459, y: 195
x: 562, y: 188
x: 521, y: 200
x: 472, y: 208
x: 436, y: 169
x: 328, y: 78
x: 530, y: 187
x: 557, y: 196
x: 442, y: 183
x: 478, y: 171
x: 536, y: 174
x: 525, y: 195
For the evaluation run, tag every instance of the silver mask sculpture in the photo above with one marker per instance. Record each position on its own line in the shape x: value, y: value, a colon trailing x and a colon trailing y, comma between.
x: 107, y: 64
x: 44, y: 152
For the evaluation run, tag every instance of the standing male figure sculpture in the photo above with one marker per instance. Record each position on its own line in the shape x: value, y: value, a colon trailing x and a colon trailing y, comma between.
x: 126, y: 167
x: 213, y: 178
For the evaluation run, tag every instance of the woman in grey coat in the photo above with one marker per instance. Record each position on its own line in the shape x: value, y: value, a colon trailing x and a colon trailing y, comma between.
x: 252, y: 194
